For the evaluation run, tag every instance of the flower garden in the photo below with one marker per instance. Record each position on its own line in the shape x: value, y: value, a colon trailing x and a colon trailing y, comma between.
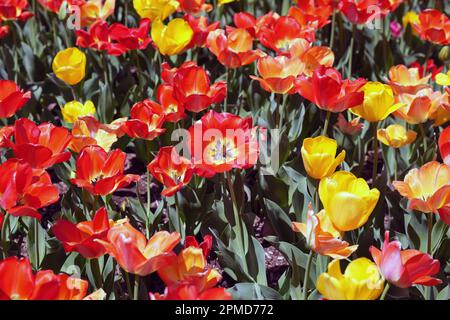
x: 224, y: 150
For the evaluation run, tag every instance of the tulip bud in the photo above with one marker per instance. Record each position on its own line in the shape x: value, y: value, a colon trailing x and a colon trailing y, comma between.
x: 444, y: 54
x: 69, y: 65
x: 73, y: 110
x: 319, y: 156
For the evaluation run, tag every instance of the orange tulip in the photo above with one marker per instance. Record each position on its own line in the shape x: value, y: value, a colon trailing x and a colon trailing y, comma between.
x: 427, y: 188
x: 322, y: 237
x: 442, y: 112
x: 284, y: 33
x: 93, y: 10
x: 407, y: 80
x: 89, y: 131
x: 81, y: 237
x: 137, y: 255
x: 190, y: 266
x: 314, y: 13
x: 278, y: 74
x: 145, y: 123
x: 418, y: 107
x: 233, y: 48
x: 101, y: 173
x: 433, y: 26
x: 191, y: 292
x: 17, y: 282
x: 192, y: 86
x: 171, y: 169
x: 42, y: 146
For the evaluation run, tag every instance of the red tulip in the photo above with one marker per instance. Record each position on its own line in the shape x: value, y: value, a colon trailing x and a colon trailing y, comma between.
x: 444, y: 145
x: 205, y: 245
x: 245, y: 20
x: 363, y: 11
x: 171, y: 170
x: 11, y: 98
x: 81, y: 237
x: 201, y: 28
x: 4, y: 30
x: 146, y: 120
x: 430, y: 67
x: 14, y: 10
x: 219, y: 142
x: 313, y: 13
x: 433, y: 26
x: 5, y: 136
x: 2, y: 218
x: 42, y: 146
x: 24, y: 190
x: 52, y: 5
x: 192, y: 86
x: 17, y: 282
x: 349, y: 127
x: 233, y: 48
x: 115, y: 39
x: 101, y: 173
x: 284, y: 33
x: 405, y: 268
x: 194, y: 6
x: 340, y: 94
x: 137, y: 255
x: 172, y: 109
x: 191, y: 292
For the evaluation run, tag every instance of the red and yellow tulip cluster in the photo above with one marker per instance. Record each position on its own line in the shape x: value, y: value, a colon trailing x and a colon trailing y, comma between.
x: 283, y: 56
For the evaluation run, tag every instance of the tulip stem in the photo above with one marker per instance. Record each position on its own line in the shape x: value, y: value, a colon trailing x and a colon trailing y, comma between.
x: 307, y: 271
x: 95, y: 266
x: 375, y: 153
x: 333, y: 24
x: 396, y: 153
x: 127, y: 281
x: 237, y: 217
x: 430, y: 232
x: 4, y: 251
x: 385, y: 291
x: 424, y: 137
x: 352, y: 44
x: 36, y: 242
x: 326, y: 124
x: 227, y: 78
x: 136, y: 287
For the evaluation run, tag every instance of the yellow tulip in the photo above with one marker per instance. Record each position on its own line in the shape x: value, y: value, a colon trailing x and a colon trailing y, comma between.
x: 378, y: 102
x: 347, y: 200
x: 173, y: 37
x: 69, y: 65
x: 73, y: 110
x: 225, y: 1
x: 360, y: 281
x: 319, y: 156
x: 396, y: 136
x: 443, y: 79
x: 410, y: 18
x: 155, y: 9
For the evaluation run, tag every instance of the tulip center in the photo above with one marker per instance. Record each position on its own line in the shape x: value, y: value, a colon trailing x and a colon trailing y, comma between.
x: 221, y: 150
